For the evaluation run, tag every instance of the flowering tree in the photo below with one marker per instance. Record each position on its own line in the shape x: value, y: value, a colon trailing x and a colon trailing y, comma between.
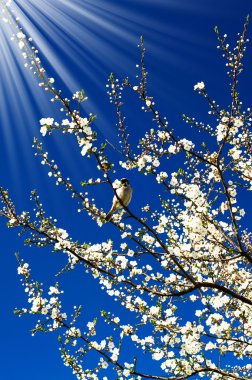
x: 193, y: 252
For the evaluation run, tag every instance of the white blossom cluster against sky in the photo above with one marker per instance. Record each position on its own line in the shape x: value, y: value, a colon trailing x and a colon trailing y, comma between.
x: 80, y: 43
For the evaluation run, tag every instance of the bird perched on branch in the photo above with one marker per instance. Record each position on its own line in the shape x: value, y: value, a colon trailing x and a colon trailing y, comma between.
x: 124, y: 193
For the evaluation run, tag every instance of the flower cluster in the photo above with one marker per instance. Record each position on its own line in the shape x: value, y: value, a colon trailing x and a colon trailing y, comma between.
x: 187, y: 247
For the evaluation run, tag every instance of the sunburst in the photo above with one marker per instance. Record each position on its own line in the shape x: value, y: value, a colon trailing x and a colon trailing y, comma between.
x: 80, y: 42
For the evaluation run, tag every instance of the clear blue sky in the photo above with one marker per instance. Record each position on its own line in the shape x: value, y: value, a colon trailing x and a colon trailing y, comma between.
x: 81, y: 43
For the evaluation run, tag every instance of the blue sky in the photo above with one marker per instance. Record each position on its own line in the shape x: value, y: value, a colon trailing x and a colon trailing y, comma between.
x: 81, y: 42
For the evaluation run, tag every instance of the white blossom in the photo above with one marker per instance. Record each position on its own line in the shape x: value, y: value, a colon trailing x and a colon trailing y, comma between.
x: 199, y: 86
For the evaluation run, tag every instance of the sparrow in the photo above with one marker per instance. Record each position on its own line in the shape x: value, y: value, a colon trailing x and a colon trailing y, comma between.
x: 124, y: 192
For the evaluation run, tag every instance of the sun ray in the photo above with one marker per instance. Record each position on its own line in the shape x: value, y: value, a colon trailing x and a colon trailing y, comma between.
x: 80, y: 43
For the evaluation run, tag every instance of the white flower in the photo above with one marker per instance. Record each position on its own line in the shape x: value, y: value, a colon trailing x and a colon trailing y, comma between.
x: 76, y: 95
x: 116, y: 184
x: 90, y: 325
x: 23, y: 269
x: 104, y: 364
x: 43, y: 130
x: 163, y: 219
x: 174, y: 180
x: 199, y: 86
x: 149, y: 339
x: 53, y: 290
x: 122, y: 261
x: 235, y: 153
x: 223, y: 207
x: 238, y: 122
x: 46, y: 121
x: 193, y: 298
x: 54, y: 313
x: 85, y: 148
x: 63, y: 233
x: 187, y: 145
x: 198, y: 313
x: 148, y: 239
x: 73, y: 332
x: 115, y: 354
x: 161, y: 177
x: 154, y: 310
x: 221, y: 131
x: 20, y: 35
x: 65, y: 122
x: 156, y: 162
x: 21, y: 45
x: 148, y: 102
x: 53, y: 300
x: 126, y: 372
x: 193, y: 192
x: 172, y: 149
x: 37, y: 303
x: 224, y: 325
x: 210, y: 346
x: 192, y: 347
x: 219, y: 301
x: 158, y: 355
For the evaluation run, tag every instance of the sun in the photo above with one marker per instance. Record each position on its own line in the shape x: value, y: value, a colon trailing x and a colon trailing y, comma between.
x: 54, y: 33
x: 79, y: 43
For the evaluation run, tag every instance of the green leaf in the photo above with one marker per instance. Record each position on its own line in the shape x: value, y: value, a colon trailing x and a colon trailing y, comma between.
x: 94, y: 117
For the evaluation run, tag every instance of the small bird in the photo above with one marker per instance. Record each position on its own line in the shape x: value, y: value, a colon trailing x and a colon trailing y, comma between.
x: 124, y: 192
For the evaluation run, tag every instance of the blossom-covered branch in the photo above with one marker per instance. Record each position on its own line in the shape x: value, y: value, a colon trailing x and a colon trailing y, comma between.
x: 188, y: 248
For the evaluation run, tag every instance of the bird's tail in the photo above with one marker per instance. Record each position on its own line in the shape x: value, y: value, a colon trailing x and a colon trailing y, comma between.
x: 109, y: 214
